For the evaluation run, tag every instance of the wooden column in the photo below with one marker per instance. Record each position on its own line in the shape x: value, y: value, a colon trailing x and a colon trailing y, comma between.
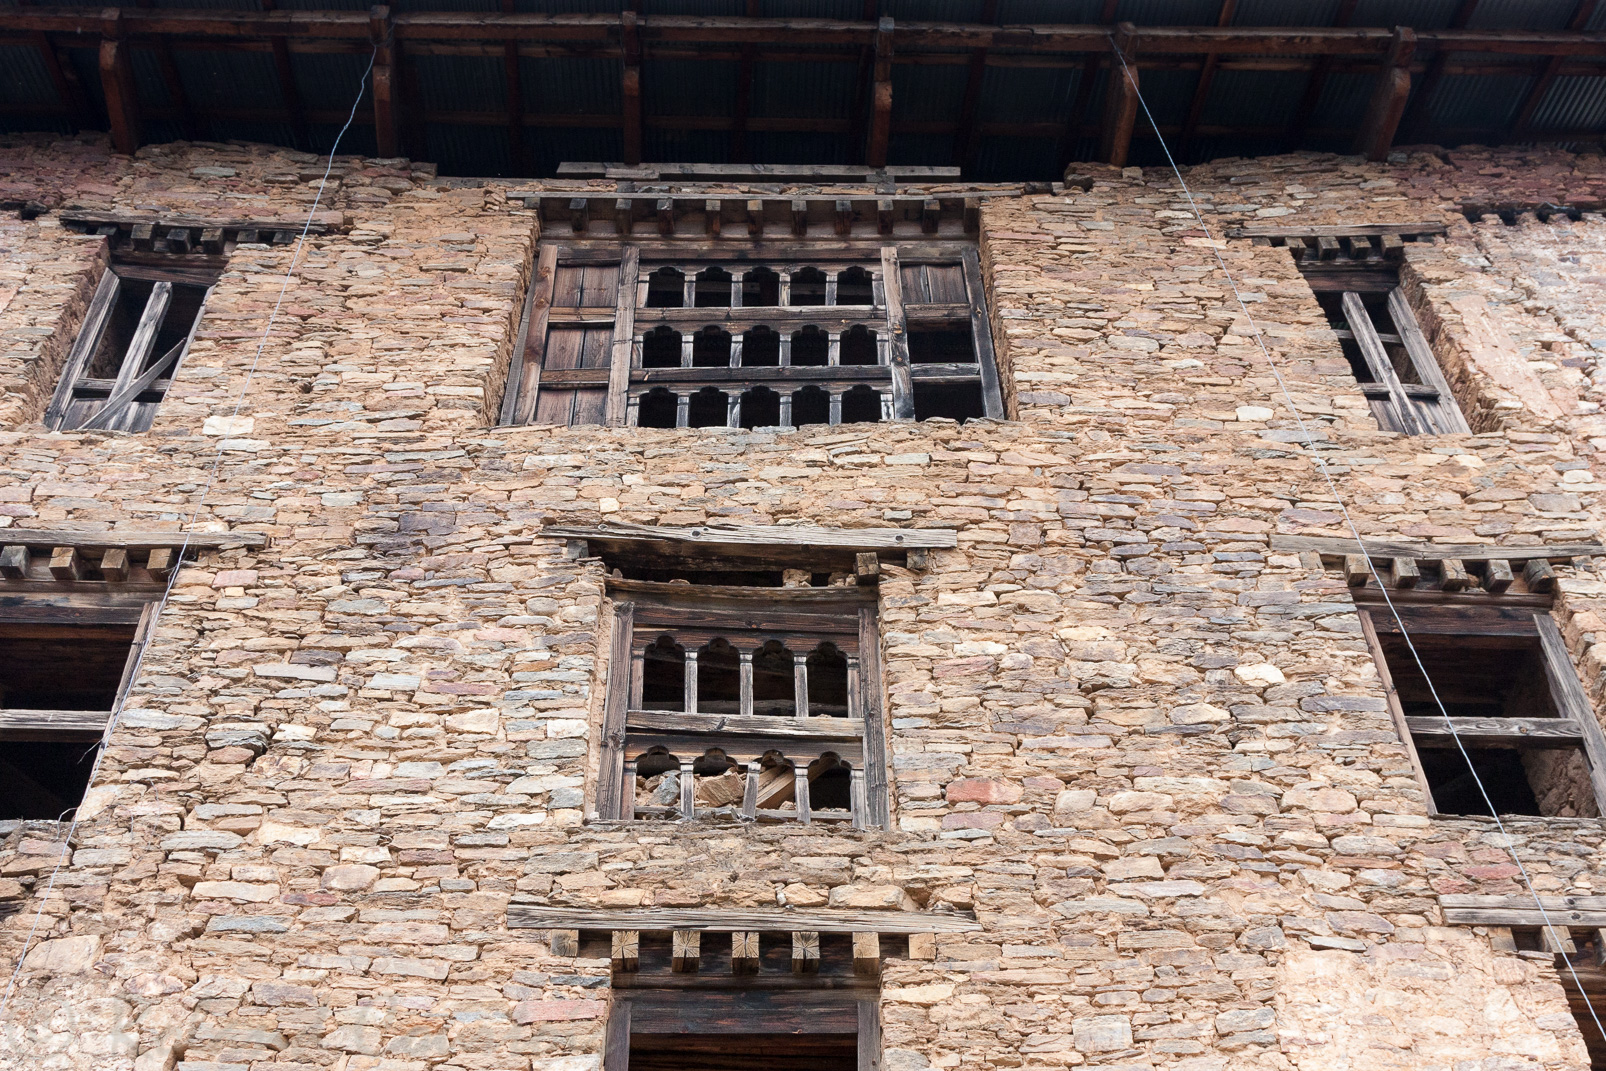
x: 630, y: 85
x: 903, y: 399
x: 875, y: 153
x: 117, y: 83
x: 1120, y: 101
x: 616, y: 793
x: 385, y: 82
x: 800, y: 684
x: 1389, y: 96
x: 745, y: 697
x: 624, y: 335
x: 515, y: 101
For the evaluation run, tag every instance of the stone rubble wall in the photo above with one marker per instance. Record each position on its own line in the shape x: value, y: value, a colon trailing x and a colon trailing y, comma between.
x: 1149, y: 753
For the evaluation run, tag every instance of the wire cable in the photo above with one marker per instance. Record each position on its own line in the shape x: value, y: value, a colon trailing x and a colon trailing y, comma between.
x: 1349, y: 522
x: 200, y: 504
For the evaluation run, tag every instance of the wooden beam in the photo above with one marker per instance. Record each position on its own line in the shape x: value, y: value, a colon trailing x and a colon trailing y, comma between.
x: 626, y: 950
x: 686, y: 951
x: 875, y: 153
x: 1317, y: 80
x: 114, y: 565
x: 1338, y: 546
x: 729, y: 920
x: 1389, y: 96
x: 1120, y: 100
x: 1522, y: 124
x: 777, y: 535
x: 1207, y: 74
x: 867, y: 954
x: 1415, y: 120
x: 14, y: 562
x: 744, y: 952
x: 117, y: 85
x: 66, y: 563
x: 1487, y: 732
x: 1485, y: 910
x: 16, y: 724
x: 630, y: 85
x: 805, y: 952
x: 131, y: 539
x: 965, y: 132
x: 514, y: 93
x: 385, y: 82
x: 744, y: 94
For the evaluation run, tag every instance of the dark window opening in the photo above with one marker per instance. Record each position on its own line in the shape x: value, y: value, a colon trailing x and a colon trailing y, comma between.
x: 941, y: 345
x: 183, y: 307
x: 1455, y: 788
x: 1380, y: 321
x: 854, y: 287
x: 861, y: 405
x: 658, y: 409
x: 761, y: 408
x: 808, y: 287
x: 719, y: 683
x: 713, y: 288
x: 756, y: 578
x: 666, y: 289
x: 830, y: 784
x: 958, y: 401
x: 741, y: 1052
x: 711, y: 348
x: 774, y: 681
x: 62, y: 667
x: 761, y: 287
x: 663, y: 675
x: 761, y: 348
x: 811, y: 405
x: 858, y: 346
x: 656, y: 761
x: 44, y: 780
x: 828, y: 682
x: 1475, y: 676
x: 811, y: 347
x: 660, y: 348
x: 709, y: 408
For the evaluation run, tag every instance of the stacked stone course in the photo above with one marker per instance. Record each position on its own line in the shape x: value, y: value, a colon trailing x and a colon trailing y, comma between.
x: 1151, y: 754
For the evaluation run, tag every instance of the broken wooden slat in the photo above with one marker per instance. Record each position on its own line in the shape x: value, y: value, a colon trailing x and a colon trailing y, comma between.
x: 1539, y: 576
x: 1356, y: 570
x: 729, y: 919
x: 1453, y: 575
x: 1489, y: 732
x: 1404, y: 573
x: 626, y: 951
x: 14, y: 561
x: 66, y: 563
x: 687, y: 951
x: 805, y: 951
x: 744, y: 952
x: 564, y: 942
x: 1497, y: 575
x: 867, y: 954
x: 160, y: 563
x: 114, y: 565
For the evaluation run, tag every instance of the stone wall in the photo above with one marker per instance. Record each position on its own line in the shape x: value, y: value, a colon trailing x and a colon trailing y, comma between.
x: 1149, y: 753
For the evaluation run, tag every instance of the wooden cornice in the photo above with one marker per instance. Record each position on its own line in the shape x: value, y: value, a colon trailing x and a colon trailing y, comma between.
x: 733, y: 919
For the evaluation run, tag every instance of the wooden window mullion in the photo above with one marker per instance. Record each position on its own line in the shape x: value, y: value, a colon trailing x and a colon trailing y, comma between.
x: 1572, y: 702
x: 616, y: 1048
x: 615, y: 799
x: 875, y: 744
x: 624, y: 335
x: 83, y: 351
x: 981, y: 335
x: 903, y: 397
x: 869, y: 1056
x: 1396, y: 710
x: 1377, y: 361
x: 529, y: 350
x: 1427, y: 366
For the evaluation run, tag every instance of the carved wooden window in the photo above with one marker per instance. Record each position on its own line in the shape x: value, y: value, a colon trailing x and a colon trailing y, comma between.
x: 135, y: 333
x: 753, y: 336
x: 1498, y: 663
x: 744, y: 704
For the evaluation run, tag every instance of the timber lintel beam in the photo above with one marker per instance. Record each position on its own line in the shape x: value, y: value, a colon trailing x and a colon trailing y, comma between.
x: 1120, y: 100
x: 1389, y: 97
x: 875, y: 153
x: 117, y: 83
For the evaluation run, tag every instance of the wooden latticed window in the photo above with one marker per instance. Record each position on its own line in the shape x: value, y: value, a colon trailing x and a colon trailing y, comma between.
x: 138, y: 326
x: 753, y: 335
x: 748, y: 704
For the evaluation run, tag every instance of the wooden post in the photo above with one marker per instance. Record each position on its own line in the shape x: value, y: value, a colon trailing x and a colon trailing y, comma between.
x: 745, y: 697
x: 117, y: 84
x: 1496, y: 576
x: 867, y: 567
x: 630, y: 41
x: 686, y: 950
x: 800, y: 685
x: 1120, y: 101
x: 616, y: 786
x: 626, y: 950
x: 750, y: 791
x: 800, y: 792
x: 1453, y: 574
x: 161, y: 563
x: 855, y: 707
x: 867, y: 954
x: 386, y: 102
x: 1539, y: 576
x: 66, y: 564
x: 857, y: 796
x: 1389, y: 96
x: 690, y: 690
x: 868, y: 1057
x: 14, y: 561
x: 688, y: 789
x: 875, y: 154
x: 624, y: 335
x: 1404, y: 573
x: 805, y: 952
x: 616, y: 1051
x: 744, y: 952
x: 114, y: 565
x: 903, y: 399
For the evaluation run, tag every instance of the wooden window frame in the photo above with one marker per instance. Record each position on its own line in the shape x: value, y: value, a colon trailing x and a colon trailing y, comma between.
x: 644, y: 609
x: 712, y: 1012
x: 1425, y: 408
x: 1575, y: 727
x: 128, y: 404
x: 625, y: 380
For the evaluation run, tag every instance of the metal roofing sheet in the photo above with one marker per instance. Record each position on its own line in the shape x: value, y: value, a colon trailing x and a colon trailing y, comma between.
x: 461, y: 83
x: 571, y: 85
x: 24, y: 81
x: 242, y: 79
x: 783, y: 145
x: 688, y: 87
x: 1477, y: 102
x: 1000, y: 159
x: 1572, y: 103
x: 927, y: 92
x: 457, y: 146
x: 1254, y: 98
x: 1522, y: 15
x: 1028, y: 94
x: 1283, y: 13
x: 798, y: 90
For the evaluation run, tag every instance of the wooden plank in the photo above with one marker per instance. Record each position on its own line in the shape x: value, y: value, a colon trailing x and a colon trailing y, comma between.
x: 113, y: 565
x: 624, y: 334
x: 869, y: 1040
x: 726, y: 920
x: 1375, y: 136
x: 1338, y: 546
x: 90, y: 331
x: 20, y: 724
x: 1368, y: 230
x: 14, y: 561
x: 1421, y: 354
x: 527, y: 389
x: 1572, y: 703
x: 132, y: 539
x: 615, y: 798
x: 1492, y: 732
x: 1539, y: 576
x: 824, y: 728
x: 798, y: 1011
x: 903, y: 402
x: 115, y: 411
x: 1453, y: 575
x: 855, y: 539
x: 616, y: 1044
x: 981, y: 334
x: 66, y: 563
x: 1479, y: 621
x: 1357, y: 570
x: 1403, y: 573
x: 1378, y: 363
x: 136, y: 652
x: 516, y: 362
x: 871, y: 700
x: 1397, y: 712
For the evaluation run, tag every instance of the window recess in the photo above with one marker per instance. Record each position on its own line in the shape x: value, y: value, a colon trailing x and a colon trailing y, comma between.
x: 748, y: 333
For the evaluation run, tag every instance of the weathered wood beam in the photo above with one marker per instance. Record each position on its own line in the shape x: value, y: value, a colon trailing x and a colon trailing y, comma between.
x: 875, y: 152
x: 630, y: 84
x: 1389, y: 96
x: 117, y: 84
x: 1338, y: 546
x: 729, y: 920
x: 130, y: 539
x: 1479, y: 910
x: 965, y: 133
x: 1416, y: 118
x: 778, y: 535
x: 1522, y: 124
x: 1549, y: 732
x: 1120, y: 101
x: 17, y: 724
x: 1207, y: 74
x: 385, y: 79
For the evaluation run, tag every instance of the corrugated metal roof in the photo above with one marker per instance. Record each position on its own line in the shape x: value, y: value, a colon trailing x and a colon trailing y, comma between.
x: 1572, y: 103
x: 799, y: 90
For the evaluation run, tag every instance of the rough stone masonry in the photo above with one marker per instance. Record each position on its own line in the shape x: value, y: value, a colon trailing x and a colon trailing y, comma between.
x: 1151, y: 754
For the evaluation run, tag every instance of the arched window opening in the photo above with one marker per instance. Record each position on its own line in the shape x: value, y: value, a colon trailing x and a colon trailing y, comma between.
x: 657, y: 409
x: 858, y: 346
x: 861, y: 405
x: 663, y: 675
x: 713, y: 289
x: 761, y: 287
x: 761, y: 348
x: 711, y: 348
x: 808, y: 287
x: 721, y: 780
x: 656, y: 761
x: 828, y: 682
x: 774, y: 691
x: 811, y: 347
x: 830, y: 784
x: 666, y: 289
x: 811, y: 405
x: 719, y: 679
x: 657, y: 781
x: 776, y: 782
x: 660, y: 348
x: 853, y: 287
x: 761, y: 408
x: 709, y: 408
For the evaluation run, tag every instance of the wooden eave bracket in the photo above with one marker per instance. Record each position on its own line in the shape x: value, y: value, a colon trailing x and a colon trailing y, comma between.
x: 1334, y: 549
x: 1376, y: 241
x: 613, y: 214
x: 185, y: 234
x: 852, y: 550
x: 1398, y: 564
